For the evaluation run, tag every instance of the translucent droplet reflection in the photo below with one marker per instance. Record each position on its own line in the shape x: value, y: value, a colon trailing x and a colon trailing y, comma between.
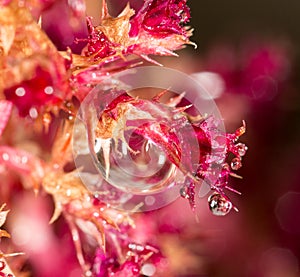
x: 219, y: 205
x: 236, y: 164
x: 143, y: 146
x: 184, y: 192
x: 136, y: 165
x: 242, y: 149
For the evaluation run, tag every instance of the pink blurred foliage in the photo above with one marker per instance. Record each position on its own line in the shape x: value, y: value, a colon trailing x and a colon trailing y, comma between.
x: 49, y: 254
x: 64, y: 26
x: 256, y: 68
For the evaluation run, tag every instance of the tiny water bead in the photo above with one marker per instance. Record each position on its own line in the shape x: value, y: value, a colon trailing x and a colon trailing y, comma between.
x: 148, y: 269
x: 236, y: 163
x: 184, y: 192
x: 219, y: 205
x: 242, y: 149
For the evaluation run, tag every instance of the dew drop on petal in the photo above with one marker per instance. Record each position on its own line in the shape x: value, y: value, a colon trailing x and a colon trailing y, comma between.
x: 236, y: 164
x: 148, y: 269
x: 242, y: 149
x: 48, y: 90
x: 184, y: 192
x: 219, y: 205
x: 20, y: 91
x: 5, y: 156
x: 33, y: 113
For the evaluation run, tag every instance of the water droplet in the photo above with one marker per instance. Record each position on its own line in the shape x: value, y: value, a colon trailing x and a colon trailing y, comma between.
x: 135, y: 156
x: 20, y: 91
x: 184, y: 192
x: 219, y: 205
x: 242, y: 149
x: 5, y: 157
x: 236, y: 164
x: 48, y: 90
x: 148, y: 269
x: 33, y: 113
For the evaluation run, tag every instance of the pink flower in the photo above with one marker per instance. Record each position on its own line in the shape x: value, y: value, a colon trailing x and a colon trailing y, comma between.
x: 156, y: 29
x: 161, y: 18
